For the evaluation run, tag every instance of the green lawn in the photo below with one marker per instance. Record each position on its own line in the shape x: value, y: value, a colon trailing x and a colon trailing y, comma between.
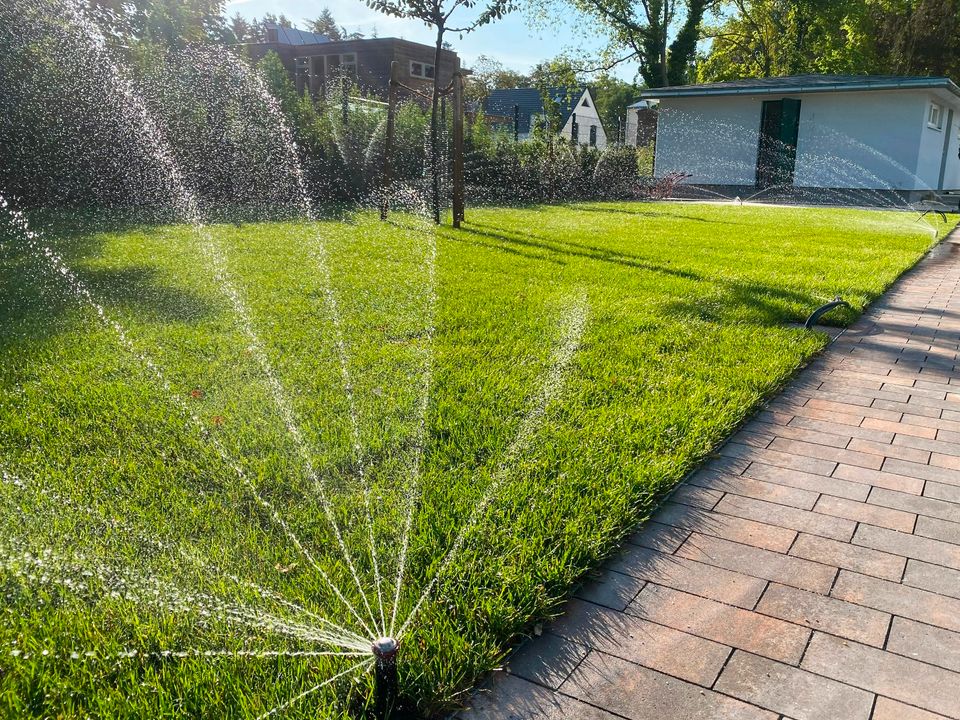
x: 582, y: 358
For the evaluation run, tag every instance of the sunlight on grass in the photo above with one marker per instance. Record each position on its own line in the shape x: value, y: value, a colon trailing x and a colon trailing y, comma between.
x: 155, y: 544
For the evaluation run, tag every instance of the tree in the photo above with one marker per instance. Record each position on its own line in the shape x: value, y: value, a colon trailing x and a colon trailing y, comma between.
x: 489, y: 75
x: 612, y: 96
x: 762, y: 38
x: 326, y: 25
x: 660, y: 35
x: 437, y: 14
x: 242, y: 30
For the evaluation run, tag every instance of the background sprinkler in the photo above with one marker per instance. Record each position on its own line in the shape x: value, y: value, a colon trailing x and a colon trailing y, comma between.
x: 385, y: 677
x: 822, y: 310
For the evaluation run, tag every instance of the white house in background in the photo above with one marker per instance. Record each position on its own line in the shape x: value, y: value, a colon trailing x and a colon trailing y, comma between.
x: 896, y: 135
x: 519, y: 110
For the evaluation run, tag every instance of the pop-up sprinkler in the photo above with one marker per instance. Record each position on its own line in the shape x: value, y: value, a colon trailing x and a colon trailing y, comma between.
x: 385, y: 677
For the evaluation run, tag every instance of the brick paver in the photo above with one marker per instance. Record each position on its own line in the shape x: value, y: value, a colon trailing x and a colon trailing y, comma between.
x: 810, y: 570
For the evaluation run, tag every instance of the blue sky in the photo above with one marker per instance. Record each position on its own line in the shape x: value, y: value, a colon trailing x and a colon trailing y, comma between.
x: 511, y: 40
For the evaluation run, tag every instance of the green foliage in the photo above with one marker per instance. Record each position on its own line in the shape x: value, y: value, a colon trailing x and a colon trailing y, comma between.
x: 686, y: 333
x: 489, y: 74
x: 612, y: 97
x: 763, y: 38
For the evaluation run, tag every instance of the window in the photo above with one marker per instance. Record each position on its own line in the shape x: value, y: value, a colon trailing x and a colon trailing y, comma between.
x: 935, y: 117
x: 345, y: 64
x: 272, y: 35
x: 593, y: 136
x: 585, y: 103
x: 422, y: 70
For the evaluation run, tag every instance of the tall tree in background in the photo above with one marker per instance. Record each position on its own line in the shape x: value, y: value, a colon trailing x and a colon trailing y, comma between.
x: 326, y: 25
x: 660, y: 35
x: 437, y: 14
x: 763, y: 38
x: 488, y: 75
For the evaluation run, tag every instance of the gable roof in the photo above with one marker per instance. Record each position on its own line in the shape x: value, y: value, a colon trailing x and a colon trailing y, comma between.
x: 804, y: 84
x: 529, y: 102
x: 294, y: 36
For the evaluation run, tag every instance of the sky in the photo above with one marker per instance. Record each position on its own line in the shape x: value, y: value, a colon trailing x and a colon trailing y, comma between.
x: 511, y: 40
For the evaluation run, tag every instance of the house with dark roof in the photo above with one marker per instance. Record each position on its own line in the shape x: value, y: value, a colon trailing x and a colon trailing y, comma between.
x: 521, y: 111
x: 884, y: 135
x: 314, y: 61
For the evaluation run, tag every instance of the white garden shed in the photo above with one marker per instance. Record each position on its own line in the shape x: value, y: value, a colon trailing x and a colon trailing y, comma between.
x: 880, y: 134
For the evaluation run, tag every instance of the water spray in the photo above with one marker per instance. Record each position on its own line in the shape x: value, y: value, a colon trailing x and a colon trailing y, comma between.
x: 385, y: 677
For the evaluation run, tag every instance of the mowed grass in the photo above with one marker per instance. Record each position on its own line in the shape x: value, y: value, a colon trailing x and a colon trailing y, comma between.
x: 133, y: 504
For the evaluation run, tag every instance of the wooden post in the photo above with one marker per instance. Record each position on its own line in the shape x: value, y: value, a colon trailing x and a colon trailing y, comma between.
x: 388, y: 140
x: 516, y: 123
x: 345, y: 99
x: 458, y: 186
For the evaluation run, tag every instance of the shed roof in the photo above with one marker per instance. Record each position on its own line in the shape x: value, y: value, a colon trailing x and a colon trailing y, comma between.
x: 295, y: 36
x: 529, y: 102
x: 804, y: 84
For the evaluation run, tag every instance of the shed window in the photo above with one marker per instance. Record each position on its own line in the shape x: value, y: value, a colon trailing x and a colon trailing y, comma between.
x: 935, y: 117
x: 422, y: 70
x: 345, y: 64
x: 585, y: 103
x: 593, y: 136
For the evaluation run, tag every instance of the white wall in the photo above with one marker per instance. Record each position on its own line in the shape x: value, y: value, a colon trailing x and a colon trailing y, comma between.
x: 713, y: 138
x: 860, y: 139
x: 877, y: 139
x: 586, y: 116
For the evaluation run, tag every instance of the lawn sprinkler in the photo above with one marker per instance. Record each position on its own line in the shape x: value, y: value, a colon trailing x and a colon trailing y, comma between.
x: 385, y: 677
x: 822, y: 310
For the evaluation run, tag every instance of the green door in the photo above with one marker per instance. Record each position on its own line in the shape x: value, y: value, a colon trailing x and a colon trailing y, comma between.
x: 777, y: 153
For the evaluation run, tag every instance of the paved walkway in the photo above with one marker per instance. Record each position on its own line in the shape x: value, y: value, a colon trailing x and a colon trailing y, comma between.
x: 812, y: 570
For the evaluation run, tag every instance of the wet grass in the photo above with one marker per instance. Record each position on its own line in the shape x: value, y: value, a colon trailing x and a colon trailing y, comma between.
x: 152, y: 537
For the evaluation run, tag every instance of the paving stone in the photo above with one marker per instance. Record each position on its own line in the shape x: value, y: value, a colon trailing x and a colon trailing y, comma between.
x: 879, y: 478
x: 897, y: 599
x: 848, y: 431
x: 806, y: 449
x: 748, y: 487
x: 805, y: 434
x: 819, y: 612
x: 933, y: 578
x: 913, y: 546
x: 508, y: 697
x: 722, y: 623
x: 690, y: 576
x: 641, y: 694
x: 864, y: 512
x: 848, y: 409
x: 951, y: 462
x: 925, y: 642
x: 759, y: 563
x: 547, y: 660
x: 940, y: 445
x: 851, y: 557
x: 787, y: 517
x: 884, y: 673
x: 611, y: 589
x: 658, y: 647
x: 925, y: 472
x: 913, y: 408
x: 655, y: 536
x: 807, y: 481
x: 938, y: 529
x: 886, y: 450
x: 921, y: 505
x: 939, y: 491
x: 747, y: 531
x: 699, y: 497
x: 887, y: 709
x: 779, y: 459
x: 899, y: 428
x: 790, y: 691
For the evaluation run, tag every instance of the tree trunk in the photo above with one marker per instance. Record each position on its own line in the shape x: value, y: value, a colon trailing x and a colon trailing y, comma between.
x: 435, y: 129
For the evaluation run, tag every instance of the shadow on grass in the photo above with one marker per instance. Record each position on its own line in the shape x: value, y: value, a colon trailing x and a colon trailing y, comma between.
x: 37, y: 303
